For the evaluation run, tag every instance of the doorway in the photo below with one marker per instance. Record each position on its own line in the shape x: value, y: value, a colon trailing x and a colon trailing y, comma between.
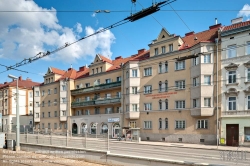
x: 74, y: 128
x: 232, y: 134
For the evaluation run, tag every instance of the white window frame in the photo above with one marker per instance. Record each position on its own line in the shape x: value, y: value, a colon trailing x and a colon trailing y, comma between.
x: 148, y: 89
x: 163, y: 49
x: 195, y: 103
x: 195, y: 61
x: 232, y: 51
x: 147, y: 124
x: 134, y: 90
x: 195, y: 81
x: 135, y: 107
x: 207, y: 58
x: 180, y: 84
x: 207, y: 101
x: 156, y: 51
x: 207, y: 79
x: 202, y: 124
x: 180, y: 124
x: 232, y: 102
x: 171, y: 47
x: 148, y: 71
x: 232, y: 77
x: 147, y: 106
x: 134, y: 73
x: 180, y: 104
x: 180, y: 65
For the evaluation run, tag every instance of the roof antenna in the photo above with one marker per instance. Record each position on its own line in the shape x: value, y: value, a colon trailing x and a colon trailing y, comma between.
x: 71, y: 66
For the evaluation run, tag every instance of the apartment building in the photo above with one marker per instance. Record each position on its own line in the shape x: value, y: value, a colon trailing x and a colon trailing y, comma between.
x: 172, y: 95
x: 235, y: 83
x: 98, y: 97
x: 8, y: 104
x: 52, y: 100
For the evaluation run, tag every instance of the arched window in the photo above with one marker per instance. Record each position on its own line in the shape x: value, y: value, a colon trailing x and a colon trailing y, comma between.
x: 160, y: 67
x: 166, y: 104
x: 160, y: 105
x: 160, y: 86
x: 166, y: 66
x: 166, y: 86
x: 166, y: 123
x: 104, y: 128
x: 160, y: 123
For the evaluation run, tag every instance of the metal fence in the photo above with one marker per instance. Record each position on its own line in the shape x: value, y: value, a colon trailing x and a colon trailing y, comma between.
x: 66, y: 139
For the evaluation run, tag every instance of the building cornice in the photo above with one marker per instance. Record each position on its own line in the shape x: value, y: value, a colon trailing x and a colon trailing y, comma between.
x: 235, y: 31
x: 236, y: 59
x: 232, y: 67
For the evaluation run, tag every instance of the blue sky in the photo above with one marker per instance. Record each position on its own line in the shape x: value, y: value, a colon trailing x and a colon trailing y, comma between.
x: 24, y: 34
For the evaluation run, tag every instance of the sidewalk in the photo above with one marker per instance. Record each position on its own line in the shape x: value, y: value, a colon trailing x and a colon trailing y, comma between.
x: 186, y: 145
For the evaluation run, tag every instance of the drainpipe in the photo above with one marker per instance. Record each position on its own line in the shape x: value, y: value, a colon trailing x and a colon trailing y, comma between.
x: 123, y: 110
x: 217, y: 95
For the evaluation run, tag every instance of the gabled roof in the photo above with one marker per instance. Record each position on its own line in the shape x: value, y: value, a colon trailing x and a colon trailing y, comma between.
x: 57, y: 71
x: 105, y: 59
x: 205, y: 36
x: 235, y: 26
x: 26, y: 84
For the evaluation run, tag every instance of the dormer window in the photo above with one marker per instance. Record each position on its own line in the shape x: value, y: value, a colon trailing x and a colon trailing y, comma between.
x: 171, y: 47
x: 156, y: 51
x: 163, y: 49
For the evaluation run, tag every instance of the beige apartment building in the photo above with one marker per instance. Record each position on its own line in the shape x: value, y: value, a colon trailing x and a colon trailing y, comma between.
x: 170, y: 96
x: 98, y: 97
x: 235, y: 84
x: 52, y: 100
x: 8, y: 104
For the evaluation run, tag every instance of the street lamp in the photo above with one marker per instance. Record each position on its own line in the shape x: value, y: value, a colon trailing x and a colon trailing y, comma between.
x: 17, y: 114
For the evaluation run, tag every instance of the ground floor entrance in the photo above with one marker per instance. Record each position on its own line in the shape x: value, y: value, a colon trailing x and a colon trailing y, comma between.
x: 232, y: 134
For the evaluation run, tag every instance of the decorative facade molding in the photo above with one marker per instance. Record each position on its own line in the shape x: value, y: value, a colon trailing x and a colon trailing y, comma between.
x: 231, y: 67
x: 247, y: 64
x: 231, y: 91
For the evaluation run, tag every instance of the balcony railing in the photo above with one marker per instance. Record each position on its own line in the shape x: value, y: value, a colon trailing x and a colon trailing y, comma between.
x: 100, y: 101
x: 96, y: 88
x: 233, y: 113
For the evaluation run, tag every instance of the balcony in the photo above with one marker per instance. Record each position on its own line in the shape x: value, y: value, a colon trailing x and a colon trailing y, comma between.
x: 63, y: 118
x: 132, y: 115
x: 204, y: 111
x: 100, y: 87
x: 243, y: 113
x: 100, y: 101
x: 36, y: 119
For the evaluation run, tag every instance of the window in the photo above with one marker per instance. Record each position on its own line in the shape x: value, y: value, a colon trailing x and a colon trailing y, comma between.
x: 55, y: 125
x: 160, y: 67
x: 180, y: 84
x: 49, y: 103
x: 77, y: 86
x: 63, y: 87
x: 160, y: 105
x: 127, y: 108
x: 118, y: 94
x: 196, y: 81
x: 166, y: 123
x: 87, y: 85
x: 195, y: 61
x: 43, y: 114
x: 63, y: 100
x: 134, y: 73
x: 207, y: 80
x: 42, y: 125
x: 163, y: 49
x: 207, y: 102
x: 43, y: 93
x: 93, y: 71
x: 127, y: 74
x: 232, y: 103
x: 37, y: 115
x: 48, y: 91
x: 31, y: 103
x: 166, y: 86
x: 108, y: 110
x: 180, y: 124
x: 195, y: 103
x: 65, y: 125
x: 248, y: 48
x: 42, y: 103
x: 156, y: 51
x: 180, y: 65
x: 63, y: 113
x: 31, y: 113
x: 166, y: 104
x: 134, y: 107
x: 202, y: 124
x: 97, y: 110
x: 147, y: 89
x: 134, y: 90
x: 248, y: 102
x: 55, y: 102
x: 132, y: 124
x: 231, y: 51
x: 55, y: 90
x: 48, y: 114
x: 87, y: 112
x: 166, y: 66
x: 108, y: 81
x: 160, y: 123
x: 248, y: 75
x: 148, y: 71
x: 231, y: 77
x: 207, y: 58
x: 118, y: 79
x: 60, y: 125
x: 108, y: 95
x: 38, y: 126
x: 55, y: 113
x: 37, y: 93
x: 96, y: 70
x: 180, y: 104
x: 160, y: 87
x: 31, y: 95
x: 170, y: 47
x: 127, y: 91
x: 147, y: 106
x: 48, y: 125
x: 147, y: 124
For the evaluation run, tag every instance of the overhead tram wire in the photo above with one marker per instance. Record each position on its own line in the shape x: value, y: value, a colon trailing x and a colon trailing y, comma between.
x: 139, y: 15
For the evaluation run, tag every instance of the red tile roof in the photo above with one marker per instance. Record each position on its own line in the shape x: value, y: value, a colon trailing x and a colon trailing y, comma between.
x: 235, y: 26
x: 26, y: 84
x: 205, y: 36
x: 104, y: 59
x: 57, y: 71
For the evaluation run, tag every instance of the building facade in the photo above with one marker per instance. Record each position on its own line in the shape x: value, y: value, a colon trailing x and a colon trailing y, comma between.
x: 235, y: 82
x: 8, y: 104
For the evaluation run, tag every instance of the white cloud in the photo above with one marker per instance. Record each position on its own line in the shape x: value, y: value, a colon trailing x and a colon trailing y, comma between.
x: 25, y: 34
x: 93, y: 15
x: 245, y: 11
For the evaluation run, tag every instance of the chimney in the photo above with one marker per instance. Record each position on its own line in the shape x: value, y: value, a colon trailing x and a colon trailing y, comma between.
x: 237, y: 20
x: 189, y: 33
x: 5, y: 82
x: 141, y: 51
x: 119, y: 57
x: 215, y: 21
x: 82, y: 68
x: 20, y: 78
x: 28, y: 79
x: 215, y: 26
